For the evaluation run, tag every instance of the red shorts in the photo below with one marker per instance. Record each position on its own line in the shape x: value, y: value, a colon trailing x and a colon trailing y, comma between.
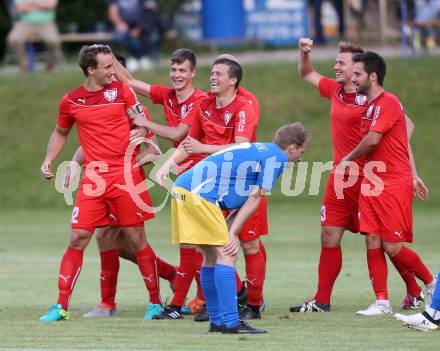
x: 256, y: 225
x: 100, y: 203
x: 388, y: 214
x: 342, y: 212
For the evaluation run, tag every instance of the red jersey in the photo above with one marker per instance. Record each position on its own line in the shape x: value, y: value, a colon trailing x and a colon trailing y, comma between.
x: 251, y: 98
x: 346, y: 114
x: 385, y: 115
x: 175, y: 112
x: 102, y: 123
x: 220, y: 126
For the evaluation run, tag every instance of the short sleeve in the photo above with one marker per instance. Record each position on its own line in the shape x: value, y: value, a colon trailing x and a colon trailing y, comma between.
x: 159, y: 93
x: 385, y: 116
x: 65, y: 119
x: 130, y: 98
x: 327, y: 87
x: 246, y: 121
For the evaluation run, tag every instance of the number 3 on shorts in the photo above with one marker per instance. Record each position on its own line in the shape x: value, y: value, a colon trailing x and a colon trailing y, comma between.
x: 323, y: 214
x: 75, y: 214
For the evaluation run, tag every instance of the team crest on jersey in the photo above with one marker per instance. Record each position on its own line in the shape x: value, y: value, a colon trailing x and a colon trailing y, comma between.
x: 184, y: 110
x: 360, y: 99
x: 110, y: 95
x: 228, y: 116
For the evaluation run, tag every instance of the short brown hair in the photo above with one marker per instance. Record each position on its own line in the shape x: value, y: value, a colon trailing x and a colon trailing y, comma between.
x: 346, y: 46
x: 87, y: 56
x: 234, y: 71
x: 292, y: 133
x: 182, y: 55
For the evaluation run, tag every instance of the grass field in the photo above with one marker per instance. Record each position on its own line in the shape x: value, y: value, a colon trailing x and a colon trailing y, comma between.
x: 32, y: 242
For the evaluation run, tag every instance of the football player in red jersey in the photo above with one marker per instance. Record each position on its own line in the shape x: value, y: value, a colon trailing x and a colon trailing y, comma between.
x: 101, y: 109
x: 223, y: 119
x: 340, y: 213
x: 385, y: 204
x: 111, y: 240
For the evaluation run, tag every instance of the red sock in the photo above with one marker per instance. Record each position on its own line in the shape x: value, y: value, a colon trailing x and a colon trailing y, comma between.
x: 330, y: 263
x: 184, y: 275
x: 412, y: 287
x: 238, y: 281
x: 199, y: 262
x: 70, y: 268
x: 378, y: 269
x: 255, y: 274
x: 412, y: 262
x: 165, y: 270
x: 109, y: 277
x: 263, y: 250
x: 146, y: 259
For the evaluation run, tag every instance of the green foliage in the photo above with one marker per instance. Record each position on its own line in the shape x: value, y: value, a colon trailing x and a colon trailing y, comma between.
x: 32, y: 242
x: 29, y: 109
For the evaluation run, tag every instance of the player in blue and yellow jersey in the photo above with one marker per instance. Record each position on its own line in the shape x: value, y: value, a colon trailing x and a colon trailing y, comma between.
x: 235, y: 178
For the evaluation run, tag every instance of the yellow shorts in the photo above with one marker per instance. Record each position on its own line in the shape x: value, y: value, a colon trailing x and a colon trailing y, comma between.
x: 196, y: 220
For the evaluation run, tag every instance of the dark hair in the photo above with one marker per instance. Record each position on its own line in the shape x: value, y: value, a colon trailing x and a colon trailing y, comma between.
x: 87, y: 56
x: 293, y: 133
x: 182, y: 55
x: 235, y: 70
x: 121, y: 59
x: 372, y: 63
x: 346, y: 46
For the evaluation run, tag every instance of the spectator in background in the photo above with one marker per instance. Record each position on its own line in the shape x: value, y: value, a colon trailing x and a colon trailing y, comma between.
x: 36, y: 21
x: 319, y: 32
x: 138, y: 29
x: 427, y: 12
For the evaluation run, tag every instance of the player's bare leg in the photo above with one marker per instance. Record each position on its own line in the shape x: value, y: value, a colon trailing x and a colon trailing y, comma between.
x: 70, y: 269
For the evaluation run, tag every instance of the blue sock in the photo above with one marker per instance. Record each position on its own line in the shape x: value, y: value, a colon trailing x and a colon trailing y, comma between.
x: 227, y: 293
x: 207, y: 280
x: 435, y: 304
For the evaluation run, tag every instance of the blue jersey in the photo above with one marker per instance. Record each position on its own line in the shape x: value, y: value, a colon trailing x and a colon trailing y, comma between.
x: 227, y: 177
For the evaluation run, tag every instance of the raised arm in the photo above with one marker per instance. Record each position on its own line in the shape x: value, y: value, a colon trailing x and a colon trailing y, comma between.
x: 305, y: 68
x: 123, y: 75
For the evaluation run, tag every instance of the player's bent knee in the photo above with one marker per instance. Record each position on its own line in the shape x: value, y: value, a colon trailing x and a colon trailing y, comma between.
x: 391, y: 248
x: 106, y: 237
x: 373, y: 241
x: 79, y: 238
x: 331, y: 236
x: 250, y: 247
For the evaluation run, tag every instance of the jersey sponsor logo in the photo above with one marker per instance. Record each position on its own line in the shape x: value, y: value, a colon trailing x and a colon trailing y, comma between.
x: 241, y: 121
x: 170, y: 103
x: 376, y: 115
x: 110, y: 95
x: 398, y: 233
x: 227, y: 117
x: 360, y: 99
x: 83, y: 100
x: 208, y: 113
